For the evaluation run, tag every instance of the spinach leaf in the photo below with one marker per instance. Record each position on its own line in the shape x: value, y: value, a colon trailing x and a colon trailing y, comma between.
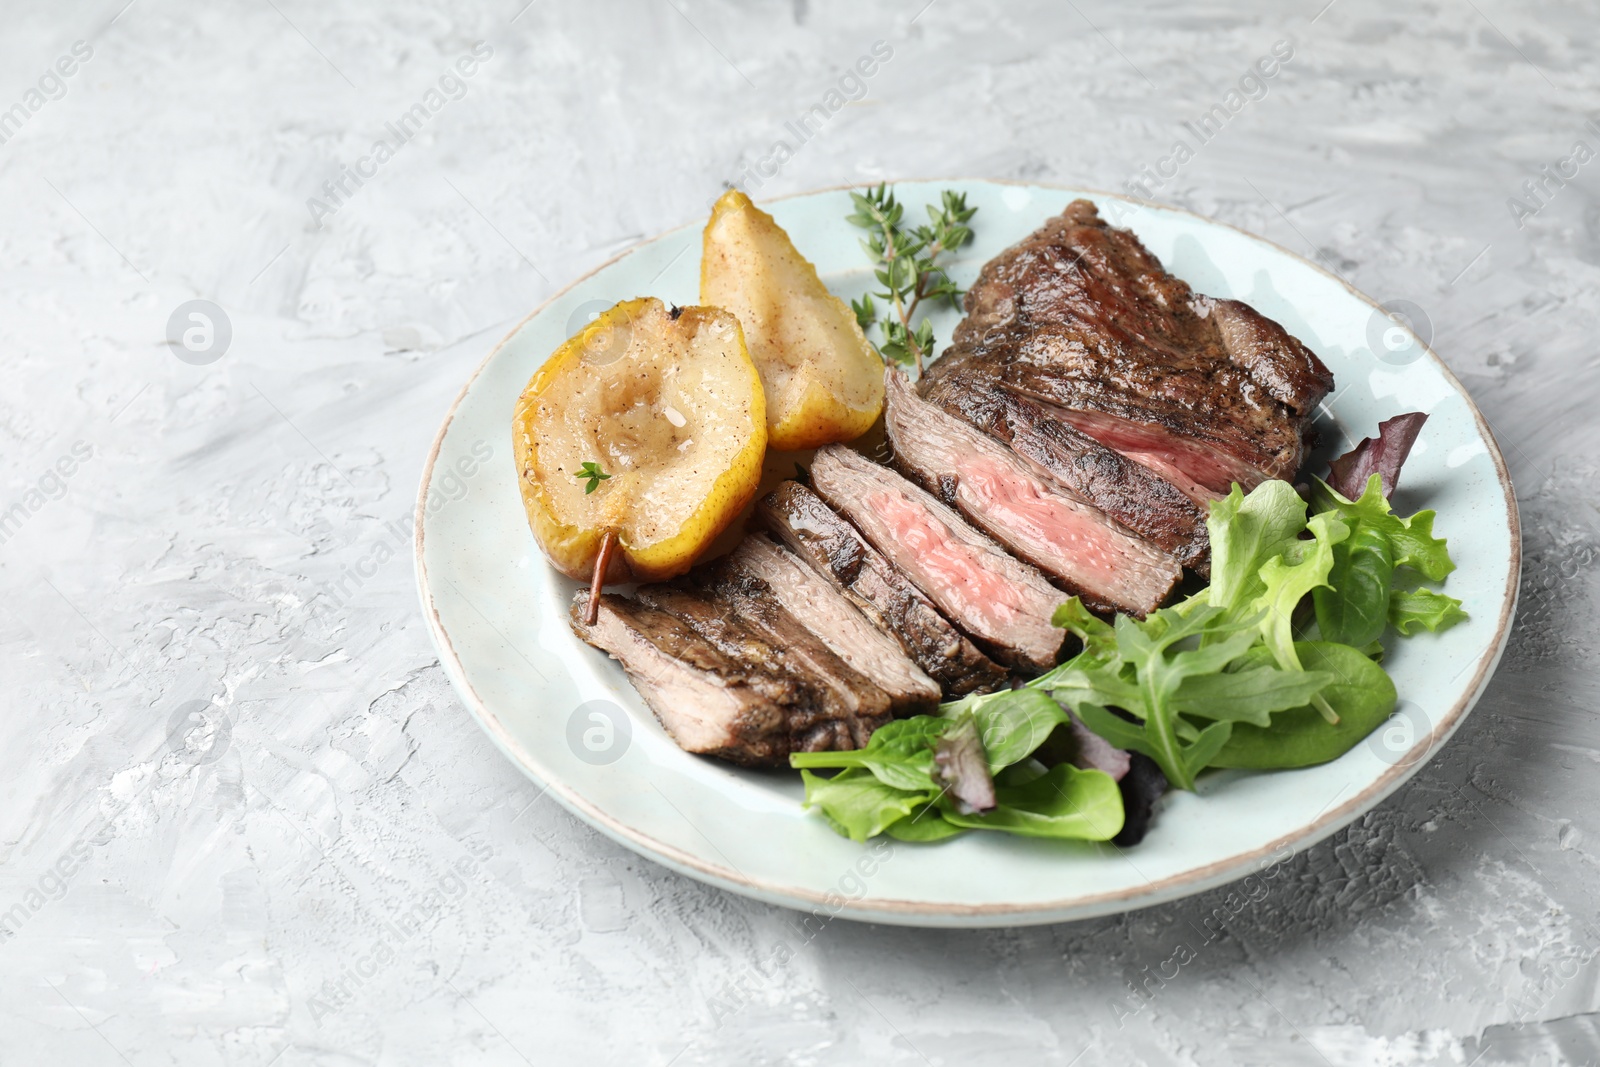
x: 1353, y: 607
x: 1361, y: 693
x: 900, y: 754
x: 1011, y: 723
x: 923, y: 824
x: 1062, y: 803
x: 1411, y: 610
x: 857, y: 804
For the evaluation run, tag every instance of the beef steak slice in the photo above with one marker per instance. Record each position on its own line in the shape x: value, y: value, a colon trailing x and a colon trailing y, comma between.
x: 836, y: 551
x: 1002, y: 602
x: 1081, y: 316
x: 1033, y: 516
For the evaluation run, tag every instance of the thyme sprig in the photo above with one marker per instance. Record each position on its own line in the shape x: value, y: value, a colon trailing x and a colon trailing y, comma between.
x: 591, y: 470
x: 906, y: 263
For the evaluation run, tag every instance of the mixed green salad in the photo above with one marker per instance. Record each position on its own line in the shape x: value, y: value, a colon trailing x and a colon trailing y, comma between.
x: 1276, y: 664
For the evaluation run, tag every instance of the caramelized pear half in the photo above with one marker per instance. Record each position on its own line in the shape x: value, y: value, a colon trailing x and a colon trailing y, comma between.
x: 668, y: 407
x: 823, y: 380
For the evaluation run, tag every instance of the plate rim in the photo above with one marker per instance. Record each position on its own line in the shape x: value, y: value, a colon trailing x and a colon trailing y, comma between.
x: 907, y: 912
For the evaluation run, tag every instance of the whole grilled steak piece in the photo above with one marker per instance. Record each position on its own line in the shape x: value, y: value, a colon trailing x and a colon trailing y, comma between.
x: 1000, y: 493
x: 835, y: 550
x: 762, y: 632
x: 747, y: 710
x: 1081, y: 316
x: 760, y: 571
x: 1000, y: 601
x: 1128, y: 492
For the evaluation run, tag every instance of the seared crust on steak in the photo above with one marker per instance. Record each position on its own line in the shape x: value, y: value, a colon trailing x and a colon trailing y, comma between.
x: 1029, y: 513
x: 837, y: 552
x: 759, y: 571
x: 1082, y: 316
x: 1126, y: 491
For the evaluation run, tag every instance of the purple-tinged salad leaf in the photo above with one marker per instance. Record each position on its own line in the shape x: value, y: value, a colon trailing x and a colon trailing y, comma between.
x: 1382, y: 455
x: 1091, y: 752
x: 1012, y: 723
x: 1141, y: 787
x: 962, y: 769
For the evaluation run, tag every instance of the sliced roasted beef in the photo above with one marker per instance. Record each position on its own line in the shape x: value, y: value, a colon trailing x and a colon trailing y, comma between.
x: 743, y: 708
x: 1000, y: 493
x: 1194, y: 466
x: 835, y: 550
x: 760, y: 570
x: 760, y: 631
x: 1002, y: 602
x: 1124, y: 490
x: 1082, y: 316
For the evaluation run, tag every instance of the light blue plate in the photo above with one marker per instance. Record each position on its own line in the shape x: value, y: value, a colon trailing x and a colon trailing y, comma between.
x: 568, y: 717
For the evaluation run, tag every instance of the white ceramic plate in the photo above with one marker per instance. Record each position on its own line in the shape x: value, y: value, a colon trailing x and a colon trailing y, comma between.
x: 568, y: 717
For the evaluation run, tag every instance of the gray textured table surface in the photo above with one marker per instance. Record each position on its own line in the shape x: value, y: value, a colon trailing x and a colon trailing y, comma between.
x: 183, y: 528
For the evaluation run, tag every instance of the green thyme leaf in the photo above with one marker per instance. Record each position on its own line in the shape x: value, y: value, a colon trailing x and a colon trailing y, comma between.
x: 591, y: 470
x: 907, y: 264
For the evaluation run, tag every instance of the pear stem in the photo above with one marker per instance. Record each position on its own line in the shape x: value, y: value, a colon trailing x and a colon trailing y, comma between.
x: 602, y: 562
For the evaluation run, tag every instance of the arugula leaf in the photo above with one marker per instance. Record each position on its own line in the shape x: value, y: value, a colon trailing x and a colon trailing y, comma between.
x: 1361, y: 693
x: 1411, y: 538
x: 1353, y: 607
x: 1190, y: 759
x: 1411, y: 610
x: 899, y: 754
x: 1143, y: 676
x: 1246, y: 532
x: 857, y: 804
x: 1063, y: 803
